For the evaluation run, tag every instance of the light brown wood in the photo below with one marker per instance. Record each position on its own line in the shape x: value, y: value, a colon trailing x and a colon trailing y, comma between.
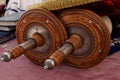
x: 59, y: 55
x: 48, y: 26
x: 75, y: 40
x: 94, y: 33
x: 17, y: 51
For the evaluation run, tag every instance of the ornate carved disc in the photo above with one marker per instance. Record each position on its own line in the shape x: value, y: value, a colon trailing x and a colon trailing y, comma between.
x: 94, y: 33
x: 45, y: 23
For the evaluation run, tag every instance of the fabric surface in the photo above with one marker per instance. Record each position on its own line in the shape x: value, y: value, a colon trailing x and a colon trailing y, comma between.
x: 104, y: 7
x: 15, y: 6
x: 115, y: 36
x: 22, y: 69
x: 114, y: 5
x: 2, y: 6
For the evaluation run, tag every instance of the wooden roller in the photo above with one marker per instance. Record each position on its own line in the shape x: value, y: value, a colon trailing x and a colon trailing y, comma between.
x: 39, y: 33
x: 91, y: 44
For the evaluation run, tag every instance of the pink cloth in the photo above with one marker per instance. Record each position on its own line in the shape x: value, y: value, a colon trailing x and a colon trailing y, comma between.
x: 23, y: 69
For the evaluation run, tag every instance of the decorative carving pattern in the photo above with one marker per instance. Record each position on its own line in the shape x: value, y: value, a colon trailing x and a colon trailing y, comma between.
x: 89, y: 26
x: 54, y: 36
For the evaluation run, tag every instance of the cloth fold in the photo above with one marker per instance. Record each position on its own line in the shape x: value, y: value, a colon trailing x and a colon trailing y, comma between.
x: 15, y: 6
x: 112, y: 5
x: 103, y: 7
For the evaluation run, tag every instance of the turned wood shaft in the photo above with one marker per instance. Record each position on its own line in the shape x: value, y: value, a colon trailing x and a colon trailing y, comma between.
x: 73, y: 43
x: 22, y: 48
x: 35, y: 40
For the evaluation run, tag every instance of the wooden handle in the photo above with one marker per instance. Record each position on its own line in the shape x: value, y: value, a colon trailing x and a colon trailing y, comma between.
x: 73, y: 43
x: 75, y: 40
x: 33, y: 42
x: 58, y: 56
x: 38, y: 39
x: 17, y: 51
